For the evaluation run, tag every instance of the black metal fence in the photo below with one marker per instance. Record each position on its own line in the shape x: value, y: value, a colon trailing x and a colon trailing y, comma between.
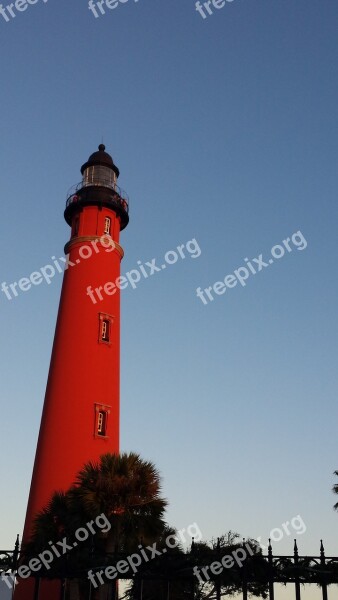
x: 196, y: 574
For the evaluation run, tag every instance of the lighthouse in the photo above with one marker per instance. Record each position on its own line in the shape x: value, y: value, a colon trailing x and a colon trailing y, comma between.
x: 80, y: 419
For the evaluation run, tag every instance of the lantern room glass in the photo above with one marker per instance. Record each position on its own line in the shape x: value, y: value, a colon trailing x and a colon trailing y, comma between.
x: 99, y: 175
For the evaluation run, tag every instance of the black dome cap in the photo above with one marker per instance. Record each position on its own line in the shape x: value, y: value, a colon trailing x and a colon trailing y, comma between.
x: 101, y: 157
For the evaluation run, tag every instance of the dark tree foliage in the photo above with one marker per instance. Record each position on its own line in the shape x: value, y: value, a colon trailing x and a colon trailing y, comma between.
x: 125, y: 490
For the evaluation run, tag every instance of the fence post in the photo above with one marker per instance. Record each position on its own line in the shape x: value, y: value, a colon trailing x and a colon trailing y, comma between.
x: 322, y: 562
x: 37, y: 588
x: 297, y: 583
x: 62, y: 589
x: 193, y: 583
x: 244, y: 577
x: 244, y: 585
x: 91, y: 562
x: 218, y: 581
x: 270, y: 561
x: 16, y: 554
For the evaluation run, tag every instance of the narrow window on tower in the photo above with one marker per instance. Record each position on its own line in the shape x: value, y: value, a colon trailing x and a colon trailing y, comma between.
x: 101, y: 420
x: 107, y: 225
x: 105, y: 330
x: 105, y: 325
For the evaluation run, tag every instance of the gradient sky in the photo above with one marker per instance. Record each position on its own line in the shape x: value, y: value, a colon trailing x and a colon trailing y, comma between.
x: 225, y: 130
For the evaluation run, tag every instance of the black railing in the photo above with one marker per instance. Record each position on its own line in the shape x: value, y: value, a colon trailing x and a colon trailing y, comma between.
x: 9, y: 558
x: 257, y: 574
x: 118, y: 195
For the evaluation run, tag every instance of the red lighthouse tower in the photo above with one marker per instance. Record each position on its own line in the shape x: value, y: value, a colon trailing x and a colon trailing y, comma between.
x: 80, y: 419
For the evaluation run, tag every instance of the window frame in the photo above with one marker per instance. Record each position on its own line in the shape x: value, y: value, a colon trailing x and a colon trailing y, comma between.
x: 109, y: 319
x: 104, y: 410
x: 107, y: 230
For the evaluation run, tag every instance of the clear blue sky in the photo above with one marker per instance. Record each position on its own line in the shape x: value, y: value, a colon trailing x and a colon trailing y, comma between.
x: 225, y: 130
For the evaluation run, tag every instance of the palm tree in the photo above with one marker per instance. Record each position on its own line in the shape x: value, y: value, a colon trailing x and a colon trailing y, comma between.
x: 58, y: 520
x: 127, y: 491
